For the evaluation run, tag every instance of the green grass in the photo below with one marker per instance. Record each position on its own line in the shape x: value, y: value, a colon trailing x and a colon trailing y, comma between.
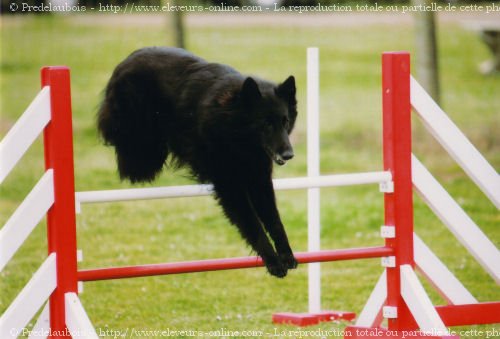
x: 185, y: 229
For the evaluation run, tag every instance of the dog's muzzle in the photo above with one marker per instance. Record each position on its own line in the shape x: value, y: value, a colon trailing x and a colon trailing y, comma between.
x: 282, y: 158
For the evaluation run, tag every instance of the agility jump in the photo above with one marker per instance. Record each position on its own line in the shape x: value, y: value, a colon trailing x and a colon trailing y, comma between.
x: 398, y: 295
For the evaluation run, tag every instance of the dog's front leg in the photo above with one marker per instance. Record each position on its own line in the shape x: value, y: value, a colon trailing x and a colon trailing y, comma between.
x: 262, y: 196
x: 234, y: 200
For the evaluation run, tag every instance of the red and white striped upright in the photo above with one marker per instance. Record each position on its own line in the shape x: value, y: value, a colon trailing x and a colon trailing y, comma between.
x: 397, y: 160
x: 403, y: 300
x: 61, y: 220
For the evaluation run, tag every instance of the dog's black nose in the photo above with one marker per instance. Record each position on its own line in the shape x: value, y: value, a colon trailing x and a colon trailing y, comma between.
x: 287, y: 155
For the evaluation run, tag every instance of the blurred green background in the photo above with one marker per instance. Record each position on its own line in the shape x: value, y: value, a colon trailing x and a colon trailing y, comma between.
x: 271, y: 46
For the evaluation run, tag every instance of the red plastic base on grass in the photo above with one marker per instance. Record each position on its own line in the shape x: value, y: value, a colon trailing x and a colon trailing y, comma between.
x: 308, y: 319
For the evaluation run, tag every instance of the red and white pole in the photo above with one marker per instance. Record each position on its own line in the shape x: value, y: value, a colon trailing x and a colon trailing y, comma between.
x: 397, y: 160
x: 61, y: 219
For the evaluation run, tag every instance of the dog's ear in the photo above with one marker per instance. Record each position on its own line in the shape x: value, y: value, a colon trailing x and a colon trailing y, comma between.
x: 250, y: 91
x: 287, y: 89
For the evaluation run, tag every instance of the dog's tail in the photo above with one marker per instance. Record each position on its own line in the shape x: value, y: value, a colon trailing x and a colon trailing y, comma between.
x: 133, y: 120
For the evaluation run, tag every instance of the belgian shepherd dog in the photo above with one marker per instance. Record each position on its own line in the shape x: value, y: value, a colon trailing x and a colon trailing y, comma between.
x: 166, y: 106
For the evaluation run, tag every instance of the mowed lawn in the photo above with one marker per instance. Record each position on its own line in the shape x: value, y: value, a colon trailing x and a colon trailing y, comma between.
x: 194, y: 228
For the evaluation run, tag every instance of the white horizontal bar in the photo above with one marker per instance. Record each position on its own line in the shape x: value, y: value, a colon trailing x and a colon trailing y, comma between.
x: 24, y: 132
x: 143, y: 193
x: 200, y: 190
x: 29, y: 301
x: 419, y: 303
x: 332, y: 180
x: 77, y: 320
x: 456, y: 143
x: 457, y: 221
x: 439, y: 275
x: 26, y: 217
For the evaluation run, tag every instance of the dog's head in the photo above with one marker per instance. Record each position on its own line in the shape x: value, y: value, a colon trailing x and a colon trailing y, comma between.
x: 275, y: 111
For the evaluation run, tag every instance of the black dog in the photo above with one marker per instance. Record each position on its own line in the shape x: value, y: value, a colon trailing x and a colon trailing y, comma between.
x: 227, y: 128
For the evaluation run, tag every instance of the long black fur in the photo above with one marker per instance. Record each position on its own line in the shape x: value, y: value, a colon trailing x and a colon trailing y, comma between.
x: 165, y: 105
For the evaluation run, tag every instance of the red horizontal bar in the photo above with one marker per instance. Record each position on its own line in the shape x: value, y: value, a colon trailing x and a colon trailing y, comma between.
x: 470, y: 314
x: 226, y: 264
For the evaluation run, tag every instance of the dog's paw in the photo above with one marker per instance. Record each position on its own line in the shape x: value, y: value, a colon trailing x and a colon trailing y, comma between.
x: 278, y: 270
x: 275, y: 266
x: 289, y: 261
